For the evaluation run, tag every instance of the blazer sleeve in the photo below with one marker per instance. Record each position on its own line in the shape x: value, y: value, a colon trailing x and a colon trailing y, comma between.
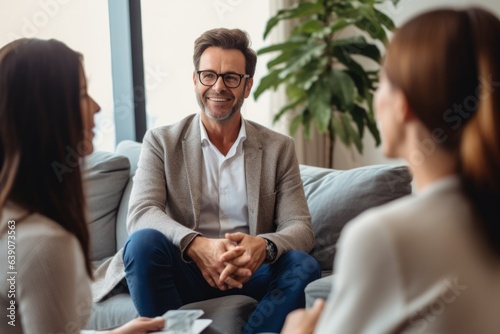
x: 148, y: 199
x: 291, y: 213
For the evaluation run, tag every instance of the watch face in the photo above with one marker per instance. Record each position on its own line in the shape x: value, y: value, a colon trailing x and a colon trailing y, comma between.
x: 270, y: 251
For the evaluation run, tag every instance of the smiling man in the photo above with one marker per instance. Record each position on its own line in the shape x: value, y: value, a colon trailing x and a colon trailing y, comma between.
x: 218, y: 207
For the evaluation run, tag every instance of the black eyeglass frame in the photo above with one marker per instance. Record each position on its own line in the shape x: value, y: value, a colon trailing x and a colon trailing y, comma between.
x: 223, y: 75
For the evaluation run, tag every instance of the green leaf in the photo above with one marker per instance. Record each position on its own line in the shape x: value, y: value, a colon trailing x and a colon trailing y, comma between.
x: 353, y: 136
x: 343, y: 87
x: 294, y: 92
x: 287, y: 46
x: 271, y: 23
x: 361, y: 84
x: 359, y: 115
x: 340, y: 24
x: 319, y: 105
x: 295, y: 123
x: 372, y: 127
x: 357, y: 45
x: 386, y: 20
x: 372, y: 27
x: 354, y: 66
x: 272, y: 80
x: 309, y: 27
x: 304, y: 55
x: 307, y: 117
x: 302, y: 9
x: 306, y: 8
x: 296, y: 101
x: 282, y: 58
x: 346, y: 59
x: 338, y: 129
x: 329, y: 30
x: 309, y: 74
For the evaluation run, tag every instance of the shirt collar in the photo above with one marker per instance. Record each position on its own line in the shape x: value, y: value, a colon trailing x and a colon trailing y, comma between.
x: 242, y: 135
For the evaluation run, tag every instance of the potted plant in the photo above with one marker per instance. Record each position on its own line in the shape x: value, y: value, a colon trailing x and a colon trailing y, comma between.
x: 327, y: 81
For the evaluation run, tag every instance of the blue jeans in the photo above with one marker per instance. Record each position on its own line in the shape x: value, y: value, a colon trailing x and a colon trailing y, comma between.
x: 159, y: 280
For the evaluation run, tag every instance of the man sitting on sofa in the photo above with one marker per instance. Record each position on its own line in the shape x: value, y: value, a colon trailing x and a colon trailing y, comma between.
x: 218, y: 207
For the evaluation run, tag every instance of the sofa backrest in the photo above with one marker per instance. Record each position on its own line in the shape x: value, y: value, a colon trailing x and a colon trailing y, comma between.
x: 131, y: 150
x: 105, y: 175
x: 334, y: 197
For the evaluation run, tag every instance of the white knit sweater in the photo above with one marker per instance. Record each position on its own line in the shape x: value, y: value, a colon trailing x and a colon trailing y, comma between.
x: 44, y: 276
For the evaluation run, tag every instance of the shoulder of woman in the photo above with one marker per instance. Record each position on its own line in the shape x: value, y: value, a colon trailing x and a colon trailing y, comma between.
x: 41, y: 240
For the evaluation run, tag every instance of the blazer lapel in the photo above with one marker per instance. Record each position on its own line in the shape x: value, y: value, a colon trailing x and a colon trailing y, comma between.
x: 191, y: 148
x: 253, y: 165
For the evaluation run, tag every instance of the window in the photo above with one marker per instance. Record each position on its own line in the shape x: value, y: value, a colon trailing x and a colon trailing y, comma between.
x: 169, y: 30
x: 84, y: 27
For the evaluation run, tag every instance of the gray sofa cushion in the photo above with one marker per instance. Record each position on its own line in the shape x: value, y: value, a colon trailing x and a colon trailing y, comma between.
x: 229, y: 314
x: 335, y: 197
x: 105, y: 175
x: 320, y: 288
x: 131, y: 150
x: 112, y: 312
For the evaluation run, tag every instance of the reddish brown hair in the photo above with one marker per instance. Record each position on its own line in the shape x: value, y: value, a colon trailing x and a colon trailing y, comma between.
x: 447, y: 63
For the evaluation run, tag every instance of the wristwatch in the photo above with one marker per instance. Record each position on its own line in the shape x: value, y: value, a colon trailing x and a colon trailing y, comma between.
x: 271, y: 251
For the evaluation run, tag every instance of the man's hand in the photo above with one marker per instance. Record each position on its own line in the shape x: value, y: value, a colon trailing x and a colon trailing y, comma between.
x: 206, y: 253
x: 254, y: 254
x: 303, y: 321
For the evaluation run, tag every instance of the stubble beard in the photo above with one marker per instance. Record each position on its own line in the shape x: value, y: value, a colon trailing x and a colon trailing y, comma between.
x: 222, y: 117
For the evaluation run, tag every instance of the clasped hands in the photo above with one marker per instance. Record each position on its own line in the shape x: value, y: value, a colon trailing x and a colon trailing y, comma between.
x: 230, y: 262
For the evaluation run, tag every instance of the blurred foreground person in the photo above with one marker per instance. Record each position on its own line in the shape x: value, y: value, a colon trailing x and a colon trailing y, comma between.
x: 430, y: 262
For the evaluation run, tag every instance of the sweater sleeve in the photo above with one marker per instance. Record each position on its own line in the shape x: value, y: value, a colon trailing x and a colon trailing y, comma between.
x: 367, y: 296
x: 53, y: 287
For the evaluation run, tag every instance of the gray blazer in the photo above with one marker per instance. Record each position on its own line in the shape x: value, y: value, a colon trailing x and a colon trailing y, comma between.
x: 166, y: 192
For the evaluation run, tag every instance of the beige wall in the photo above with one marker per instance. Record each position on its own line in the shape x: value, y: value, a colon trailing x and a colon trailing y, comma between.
x: 345, y: 158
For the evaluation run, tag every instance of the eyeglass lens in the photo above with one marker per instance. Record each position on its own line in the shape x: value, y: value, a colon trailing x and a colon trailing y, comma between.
x: 209, y: 78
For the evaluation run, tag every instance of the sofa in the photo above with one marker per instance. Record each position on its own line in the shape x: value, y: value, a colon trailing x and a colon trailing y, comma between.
x: 334, y: 197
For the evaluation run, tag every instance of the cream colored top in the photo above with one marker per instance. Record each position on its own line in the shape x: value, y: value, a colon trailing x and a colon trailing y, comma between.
x: 51, y: 286
x: 417, y: 265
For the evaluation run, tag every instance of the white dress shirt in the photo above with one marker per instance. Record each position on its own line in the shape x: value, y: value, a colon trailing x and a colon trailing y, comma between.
x: 224, y: 202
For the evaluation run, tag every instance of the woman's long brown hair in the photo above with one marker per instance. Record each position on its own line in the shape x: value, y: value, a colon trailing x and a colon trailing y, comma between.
x: 40, y: 123
x: 447, y: 63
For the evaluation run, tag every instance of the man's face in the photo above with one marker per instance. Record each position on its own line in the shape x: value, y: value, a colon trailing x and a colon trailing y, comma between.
x: 218, y: 102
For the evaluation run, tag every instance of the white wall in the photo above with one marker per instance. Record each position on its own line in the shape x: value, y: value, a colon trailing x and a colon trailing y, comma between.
x: 345, y: 158
x: 169, y: 31
x: 84, y: 26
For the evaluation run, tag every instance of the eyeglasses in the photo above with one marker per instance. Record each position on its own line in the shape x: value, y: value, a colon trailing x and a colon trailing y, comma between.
x: 231, y: 80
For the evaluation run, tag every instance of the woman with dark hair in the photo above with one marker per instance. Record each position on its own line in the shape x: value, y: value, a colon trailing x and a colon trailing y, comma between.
x: 44, y: 111
x: 429, y: 263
